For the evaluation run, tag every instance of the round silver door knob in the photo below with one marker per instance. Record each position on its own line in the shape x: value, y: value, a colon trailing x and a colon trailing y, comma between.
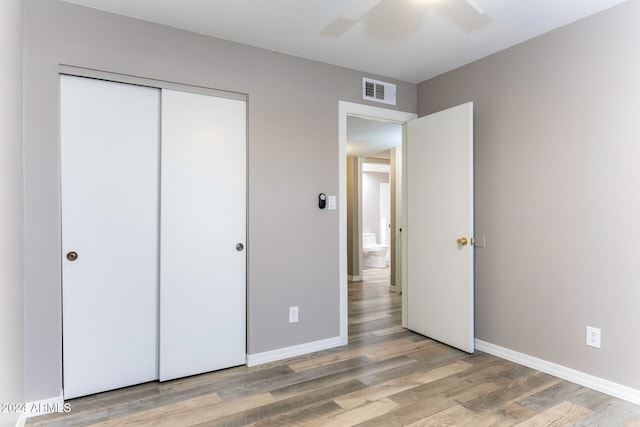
x: 239, y: 247
x: 72, y: 256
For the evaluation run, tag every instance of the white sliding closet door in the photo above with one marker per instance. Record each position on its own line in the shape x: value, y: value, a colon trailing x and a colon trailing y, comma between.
x: 109, y: 166
x: 203, y: 229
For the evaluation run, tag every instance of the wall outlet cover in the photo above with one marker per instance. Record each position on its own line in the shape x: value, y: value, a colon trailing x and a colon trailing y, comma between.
x: 293, y: 314
x: 593, y: 336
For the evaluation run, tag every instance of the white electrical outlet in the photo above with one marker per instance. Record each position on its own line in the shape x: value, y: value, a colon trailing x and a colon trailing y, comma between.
x: 293, y: 314
x: 593, y: 337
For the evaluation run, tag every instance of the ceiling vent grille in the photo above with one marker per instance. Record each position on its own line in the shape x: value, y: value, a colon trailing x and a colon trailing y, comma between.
x: 377, y: 91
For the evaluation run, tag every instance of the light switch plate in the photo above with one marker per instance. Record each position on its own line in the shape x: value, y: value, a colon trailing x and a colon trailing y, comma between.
x: 293, y: 314
x: 332, y: 202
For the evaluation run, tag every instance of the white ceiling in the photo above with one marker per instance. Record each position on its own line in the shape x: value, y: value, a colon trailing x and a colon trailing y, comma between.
x: 372, y: 138
x: 410, y: 40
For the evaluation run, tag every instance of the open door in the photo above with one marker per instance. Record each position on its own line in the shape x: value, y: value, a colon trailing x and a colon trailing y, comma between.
x: 439, y: 225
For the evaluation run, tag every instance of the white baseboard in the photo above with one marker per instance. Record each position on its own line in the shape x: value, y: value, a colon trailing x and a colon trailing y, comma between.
x: 599, y: 384
x: 355, y: 278
x: 42, y: 407
x: 293, y: 351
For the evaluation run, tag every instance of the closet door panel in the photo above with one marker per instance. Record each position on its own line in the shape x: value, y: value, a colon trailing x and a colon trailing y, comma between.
x: 203, y: 224
x: 109, y: 171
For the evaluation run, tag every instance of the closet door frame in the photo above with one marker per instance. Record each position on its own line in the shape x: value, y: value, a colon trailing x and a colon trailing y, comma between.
x: 70, y: 70
x: 149, y: 82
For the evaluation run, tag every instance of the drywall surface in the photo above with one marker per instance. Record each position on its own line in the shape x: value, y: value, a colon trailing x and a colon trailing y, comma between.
x: 292, y: 156
x: 11, y: 200
x: 557, y: 143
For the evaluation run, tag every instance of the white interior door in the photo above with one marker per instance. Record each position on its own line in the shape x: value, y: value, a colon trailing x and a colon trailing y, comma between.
x: 439, y: 168
x: 203, y: 229
x: 109, y: 156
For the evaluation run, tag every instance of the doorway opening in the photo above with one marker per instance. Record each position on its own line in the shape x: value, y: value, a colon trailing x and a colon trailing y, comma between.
x: 373, y: 195
x: 375, y: 206
x: 367, y: 121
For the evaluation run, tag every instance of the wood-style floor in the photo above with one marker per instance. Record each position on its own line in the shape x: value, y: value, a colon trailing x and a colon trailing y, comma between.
x: 386, y: 376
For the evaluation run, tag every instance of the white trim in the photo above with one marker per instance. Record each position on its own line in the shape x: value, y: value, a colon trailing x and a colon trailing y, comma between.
x: 355, y: 278
x: 149, y: 82
x: 358, y: 223
x: 42, y: 407
x: 472, y: 233
x: 352, y: 109
x: 403, y: 226
x: 293, y: 351
x: 599, y: 384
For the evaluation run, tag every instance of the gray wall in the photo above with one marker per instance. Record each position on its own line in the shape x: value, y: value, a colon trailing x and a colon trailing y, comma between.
x: 293, y: 156
x: 557, y: 142
x: 11, y: 200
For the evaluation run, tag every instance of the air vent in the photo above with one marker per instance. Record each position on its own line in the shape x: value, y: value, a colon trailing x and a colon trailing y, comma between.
x: 377, y: 91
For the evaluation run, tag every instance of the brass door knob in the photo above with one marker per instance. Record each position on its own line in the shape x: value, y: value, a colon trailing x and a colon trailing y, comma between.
x: 463, y: 241
x: 72, y: 256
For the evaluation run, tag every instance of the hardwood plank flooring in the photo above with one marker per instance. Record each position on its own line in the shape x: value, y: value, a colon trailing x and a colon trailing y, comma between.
x: 385, y: 376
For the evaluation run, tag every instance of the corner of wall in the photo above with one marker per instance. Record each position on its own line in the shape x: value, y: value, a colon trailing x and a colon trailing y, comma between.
x: 11, y: 216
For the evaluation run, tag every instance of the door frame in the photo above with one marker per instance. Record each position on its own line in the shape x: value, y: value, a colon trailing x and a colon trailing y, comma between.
x: 371, y: 112
x: 361, y: 161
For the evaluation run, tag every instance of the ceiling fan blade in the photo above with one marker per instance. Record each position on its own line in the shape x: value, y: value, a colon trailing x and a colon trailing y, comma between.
x: 476, y: 6
x: 483, y: 6
x: 357, y: 10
